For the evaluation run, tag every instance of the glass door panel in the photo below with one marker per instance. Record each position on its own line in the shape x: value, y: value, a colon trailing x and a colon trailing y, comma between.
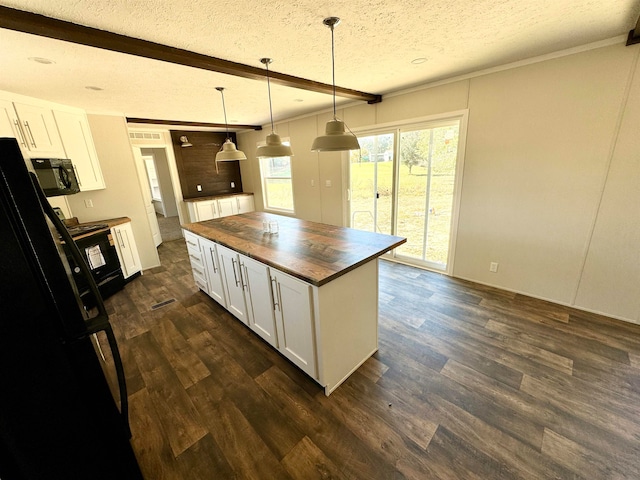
x: 426, y: 180
x: 371, y: 178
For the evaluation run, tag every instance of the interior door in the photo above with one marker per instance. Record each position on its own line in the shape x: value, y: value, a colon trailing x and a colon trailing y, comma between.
x: 146, y: 195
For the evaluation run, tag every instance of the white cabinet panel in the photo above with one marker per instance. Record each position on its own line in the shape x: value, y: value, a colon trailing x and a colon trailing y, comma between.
x: 227, y: 206
x: 9, y: 123
x: 259, y: 299
x: 79, y: 148
x: 126, y: 249
x: 39, y: 129
x: 214, y: 271
x: 206, y: 210
x: 245, y: 203
x: 234, y: 287
x: 294, y: 320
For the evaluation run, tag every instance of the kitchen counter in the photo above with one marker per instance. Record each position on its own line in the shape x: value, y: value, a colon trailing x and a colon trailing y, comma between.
x: 110, y: 222
x: 314, y: 252
x: 213, y: 197
x: 311, y: 290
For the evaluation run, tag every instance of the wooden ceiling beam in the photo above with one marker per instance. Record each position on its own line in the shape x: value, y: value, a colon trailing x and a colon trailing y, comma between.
x: 153, y: 121
x: 41, y: 25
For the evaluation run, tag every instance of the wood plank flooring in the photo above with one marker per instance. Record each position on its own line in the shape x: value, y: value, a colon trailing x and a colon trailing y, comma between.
x: 470, y: 382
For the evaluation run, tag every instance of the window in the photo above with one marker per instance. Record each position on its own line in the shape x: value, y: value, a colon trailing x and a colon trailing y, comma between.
x: 277, y: 187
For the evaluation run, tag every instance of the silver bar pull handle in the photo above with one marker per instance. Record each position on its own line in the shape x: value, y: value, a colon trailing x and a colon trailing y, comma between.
x: 19, y: 133
x: 233, y: 266
x: 242, y: 277
x: 213, y: 261
x: 274, y: 292
x: 33, y: 140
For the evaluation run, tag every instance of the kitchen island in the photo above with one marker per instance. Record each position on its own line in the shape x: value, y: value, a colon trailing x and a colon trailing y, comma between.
x: 311, y: 290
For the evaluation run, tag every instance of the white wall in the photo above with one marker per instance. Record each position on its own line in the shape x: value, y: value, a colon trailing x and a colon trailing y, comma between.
x: 551, y: 186
x: 122, y: 197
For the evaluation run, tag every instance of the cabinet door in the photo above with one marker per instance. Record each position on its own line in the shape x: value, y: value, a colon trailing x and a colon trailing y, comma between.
x: 227, y: 206
x: 78, y: 146
x: 259, y: 299
x: 245, y: 203
x: 127, y: 249
x: 234, y: 289
x: 294, y: 321
x: 206, y: 210
x: 9, y: 123
x: 214, y: 272
x: 40, y: 130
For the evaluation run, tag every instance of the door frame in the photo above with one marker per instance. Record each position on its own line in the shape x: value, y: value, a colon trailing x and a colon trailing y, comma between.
x: 395, y: 127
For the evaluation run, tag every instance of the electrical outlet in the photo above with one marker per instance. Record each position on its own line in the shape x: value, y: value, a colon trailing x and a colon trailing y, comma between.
x: 199, y: 188
x: 233, y: 184
x: 493, y: 267
x: 88, y: 203
x: 327, y: 183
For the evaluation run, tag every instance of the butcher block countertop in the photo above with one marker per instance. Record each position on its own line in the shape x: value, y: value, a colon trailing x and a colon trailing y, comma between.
x: 314, y: 252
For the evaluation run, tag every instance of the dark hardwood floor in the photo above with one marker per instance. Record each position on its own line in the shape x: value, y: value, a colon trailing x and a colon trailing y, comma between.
x: 469, y: 382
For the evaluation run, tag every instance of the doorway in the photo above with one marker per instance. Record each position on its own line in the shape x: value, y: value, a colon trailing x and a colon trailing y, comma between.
x: 406, y: 181
x: 161, y: 192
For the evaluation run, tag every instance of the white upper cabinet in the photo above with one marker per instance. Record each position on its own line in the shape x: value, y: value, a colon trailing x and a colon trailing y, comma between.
x: 39, y: 130
x: 79, y: 148
x: 9, y: 123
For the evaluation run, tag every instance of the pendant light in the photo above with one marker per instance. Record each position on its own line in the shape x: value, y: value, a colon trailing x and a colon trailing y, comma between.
x: 335, y: 138
x: 228, y: 151
x: 274, y: 146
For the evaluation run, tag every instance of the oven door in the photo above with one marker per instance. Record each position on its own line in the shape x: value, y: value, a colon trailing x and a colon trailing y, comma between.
x: 102, y: 259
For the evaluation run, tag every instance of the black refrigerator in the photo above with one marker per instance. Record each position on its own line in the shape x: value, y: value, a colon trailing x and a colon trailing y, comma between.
x: 58, y: 417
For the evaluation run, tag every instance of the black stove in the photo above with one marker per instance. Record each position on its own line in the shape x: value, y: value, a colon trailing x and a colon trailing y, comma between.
x: 78, y: 230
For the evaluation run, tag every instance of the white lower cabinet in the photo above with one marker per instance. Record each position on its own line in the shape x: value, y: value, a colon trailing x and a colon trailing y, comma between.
x: 294, y: 320
x: 202, y: 210
x: 126, y: 249
x: 259, y: 299
x: 233, y: 283
x: 227, y: 206
x: 276, y: 306
x: 214, y: 271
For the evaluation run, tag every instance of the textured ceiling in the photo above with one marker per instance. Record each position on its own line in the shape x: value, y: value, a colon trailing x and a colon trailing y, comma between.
x: 375, y: 44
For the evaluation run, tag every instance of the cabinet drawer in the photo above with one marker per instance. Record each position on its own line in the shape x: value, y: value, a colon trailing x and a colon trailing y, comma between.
x: 200, y: 280
x: 193, y: 244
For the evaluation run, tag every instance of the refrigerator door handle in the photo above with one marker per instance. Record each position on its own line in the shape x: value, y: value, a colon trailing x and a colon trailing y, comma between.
x: 101, y: 321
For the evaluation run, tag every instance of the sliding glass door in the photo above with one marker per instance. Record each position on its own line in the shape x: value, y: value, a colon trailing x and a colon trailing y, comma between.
x: 404, y: 182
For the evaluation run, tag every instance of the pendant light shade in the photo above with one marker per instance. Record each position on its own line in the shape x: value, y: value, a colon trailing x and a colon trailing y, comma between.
x: 228, y: 151
x: 274, y: 146
x: 335, y: 139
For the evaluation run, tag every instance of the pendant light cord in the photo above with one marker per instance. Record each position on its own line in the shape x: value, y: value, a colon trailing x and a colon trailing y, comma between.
x: 333, y: 68
x: 225, y: 113
x: 266, y: 64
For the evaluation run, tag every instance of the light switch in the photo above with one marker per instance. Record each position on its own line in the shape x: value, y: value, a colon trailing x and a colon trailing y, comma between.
x: 88, y: 203
x: 327, y: 183
x: 233, y: 184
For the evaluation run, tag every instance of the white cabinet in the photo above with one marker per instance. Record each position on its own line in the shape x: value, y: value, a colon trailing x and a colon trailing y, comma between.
x: 227, y: 206
x: 276, y: 306
x: 198, y: 268
x: 39, y: 130
x: 245, y: 203
x: 259, y: 298
x: 126, y: 249
x: 78, y: 146
x: 294, y: 320
x: 213, y: 270
x: 202, y: 210
x: 206, y: 210
x: 9, y: 123
x: 233, y: 283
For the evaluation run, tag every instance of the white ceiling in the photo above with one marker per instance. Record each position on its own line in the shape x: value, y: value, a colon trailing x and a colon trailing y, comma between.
x: 375, y: 44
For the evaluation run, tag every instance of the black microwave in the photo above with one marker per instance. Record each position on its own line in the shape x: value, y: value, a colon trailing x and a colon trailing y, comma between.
x: 56, y: 176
